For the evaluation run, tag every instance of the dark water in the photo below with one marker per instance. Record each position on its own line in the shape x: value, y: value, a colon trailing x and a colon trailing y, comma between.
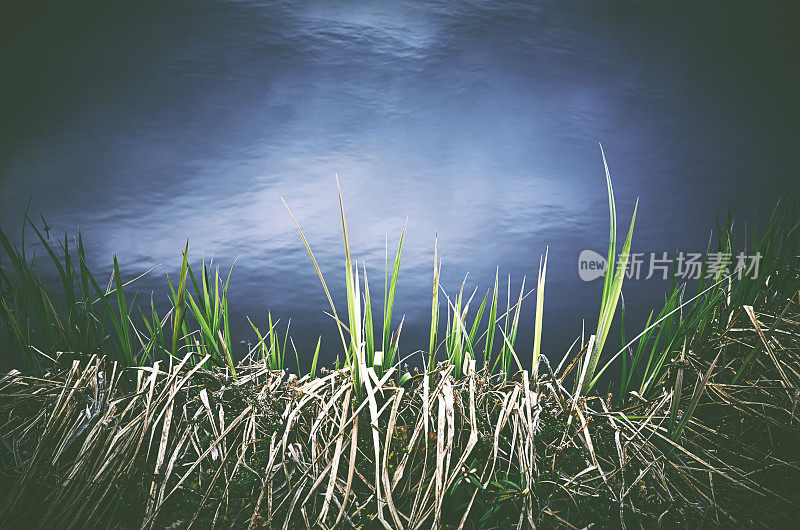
x: 143, y: 124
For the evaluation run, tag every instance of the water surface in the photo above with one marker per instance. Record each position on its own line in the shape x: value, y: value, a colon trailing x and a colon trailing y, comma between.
x: 145, y: 124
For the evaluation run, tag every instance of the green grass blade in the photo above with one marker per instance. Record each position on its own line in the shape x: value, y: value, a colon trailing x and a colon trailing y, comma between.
x: 473, y: 332
x: 612, y: 238
x: 316, y: 357
x: 389, y: 300
x: 492, y: 325
x: 537, y: 329
x: 434, y: 306
x: 262, y: 344
x: 369, y: 334
x: 319, y: 274
x: 178, y: 300
x: 122, y: 308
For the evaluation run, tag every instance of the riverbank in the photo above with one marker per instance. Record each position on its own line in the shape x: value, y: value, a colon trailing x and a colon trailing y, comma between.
x: 176, y: 445
x: 155, y: 424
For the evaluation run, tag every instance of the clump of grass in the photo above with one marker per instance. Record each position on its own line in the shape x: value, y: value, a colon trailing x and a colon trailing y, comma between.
x: 274, y: 353
x: 721, y: 299
x: 85, y: 318
x: 360, y: 353
x: 82, y: 318
x: 186, y: 444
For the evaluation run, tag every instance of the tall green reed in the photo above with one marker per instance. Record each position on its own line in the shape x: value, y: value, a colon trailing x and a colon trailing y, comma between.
x: 616, y: 265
